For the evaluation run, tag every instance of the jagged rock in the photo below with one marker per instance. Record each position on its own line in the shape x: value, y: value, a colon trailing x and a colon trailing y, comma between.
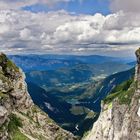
x: 138, y: 55
x: 119, y: 121
x: 3, y: 114
x: 18, y: 114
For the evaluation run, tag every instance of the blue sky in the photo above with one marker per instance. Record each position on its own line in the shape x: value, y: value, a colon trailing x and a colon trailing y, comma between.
x: 84, y: 7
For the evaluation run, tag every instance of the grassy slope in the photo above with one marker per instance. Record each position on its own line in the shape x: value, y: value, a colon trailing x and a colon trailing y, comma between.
x: 13, y: 128
x: 122, y: 92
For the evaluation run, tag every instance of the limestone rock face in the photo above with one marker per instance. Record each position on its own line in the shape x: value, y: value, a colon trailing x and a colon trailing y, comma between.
x: 138, y: 55
x: 3, y: 114
x: 120, y: 121
x: 19, y: 117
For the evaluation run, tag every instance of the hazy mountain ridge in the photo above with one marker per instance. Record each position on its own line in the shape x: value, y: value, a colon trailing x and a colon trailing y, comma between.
x: 51, y: 62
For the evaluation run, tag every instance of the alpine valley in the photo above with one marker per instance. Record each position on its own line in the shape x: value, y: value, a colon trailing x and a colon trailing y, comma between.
x: 68, y: 98
x: 70, y: 88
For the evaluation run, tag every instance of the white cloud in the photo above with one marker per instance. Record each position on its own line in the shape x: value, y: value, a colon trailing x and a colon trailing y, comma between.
x: 25, y: 34
x: 61, y: 32
x: 56, y: 32
x: 3, y: 28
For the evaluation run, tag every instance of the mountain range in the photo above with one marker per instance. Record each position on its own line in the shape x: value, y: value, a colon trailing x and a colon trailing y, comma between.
x: 52, y: 62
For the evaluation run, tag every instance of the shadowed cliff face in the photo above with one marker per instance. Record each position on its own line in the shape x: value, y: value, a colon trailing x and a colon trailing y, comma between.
x: 137, y: 73
x: 19, y: 117
x: 138, y: 56
x: 120, y: 116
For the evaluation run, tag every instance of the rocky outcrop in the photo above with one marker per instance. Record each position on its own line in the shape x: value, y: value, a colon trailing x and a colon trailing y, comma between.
x: 120, y: 115
x: 19, y: 117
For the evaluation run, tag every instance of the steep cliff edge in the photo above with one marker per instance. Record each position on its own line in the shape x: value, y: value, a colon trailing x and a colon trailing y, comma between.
x: 120, y: 115
x: 20, y: 119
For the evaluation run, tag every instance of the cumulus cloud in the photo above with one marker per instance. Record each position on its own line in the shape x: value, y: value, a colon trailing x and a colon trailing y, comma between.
x: 25, y: 34
x: 62, y: 32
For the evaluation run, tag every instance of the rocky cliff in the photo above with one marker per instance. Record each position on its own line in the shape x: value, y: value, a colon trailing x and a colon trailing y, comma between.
x: 120, y: 115
x: 20, y: 119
